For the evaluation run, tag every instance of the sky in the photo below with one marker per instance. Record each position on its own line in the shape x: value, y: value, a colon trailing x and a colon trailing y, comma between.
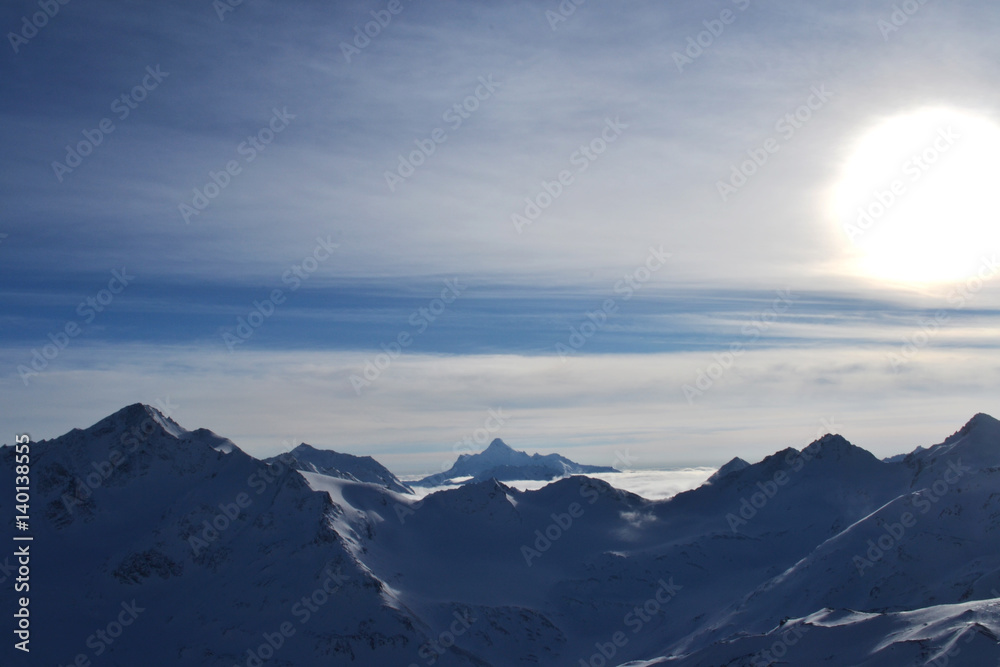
x: 671, y: 232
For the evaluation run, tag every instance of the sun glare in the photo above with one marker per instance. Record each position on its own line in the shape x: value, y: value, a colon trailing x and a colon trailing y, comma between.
x: 918, y: 197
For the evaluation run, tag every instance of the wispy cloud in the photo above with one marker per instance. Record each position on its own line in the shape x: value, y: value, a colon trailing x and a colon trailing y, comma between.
x: 323, y: 176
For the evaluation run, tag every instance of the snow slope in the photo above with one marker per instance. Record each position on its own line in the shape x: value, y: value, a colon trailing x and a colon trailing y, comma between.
x: 824, y: 556
x: 120, y: 512
x: 345, y: 466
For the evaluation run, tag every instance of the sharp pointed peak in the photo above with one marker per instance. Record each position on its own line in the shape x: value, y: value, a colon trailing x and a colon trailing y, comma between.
x: 499, y: 444
x: 734, y: 465
x: 140, y: 416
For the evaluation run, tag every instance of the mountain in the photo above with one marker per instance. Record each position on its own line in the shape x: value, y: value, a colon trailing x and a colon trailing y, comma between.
x: 345, y: 466
x: 819, y: 556
x: 735, y: 465
x: 501, y: 462
x: 209, y: 556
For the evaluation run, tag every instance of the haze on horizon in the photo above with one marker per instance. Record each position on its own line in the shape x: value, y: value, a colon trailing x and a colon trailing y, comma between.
x: 688, y: 232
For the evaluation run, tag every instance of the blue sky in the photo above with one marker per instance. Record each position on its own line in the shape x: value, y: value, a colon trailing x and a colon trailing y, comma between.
x: 551, y: 169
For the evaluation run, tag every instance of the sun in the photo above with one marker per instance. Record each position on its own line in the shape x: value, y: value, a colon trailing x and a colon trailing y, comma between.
x: 918, y: 197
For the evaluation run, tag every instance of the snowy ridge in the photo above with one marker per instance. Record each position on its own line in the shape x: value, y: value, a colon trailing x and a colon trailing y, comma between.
x: 344, y: 466
x: 821, y: 556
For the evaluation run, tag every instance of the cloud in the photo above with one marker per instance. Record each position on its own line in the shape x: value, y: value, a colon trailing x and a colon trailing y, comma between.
x: 353, y: 120
x: 650, y: 484
x: 324, y: 177
x: 418, y: 412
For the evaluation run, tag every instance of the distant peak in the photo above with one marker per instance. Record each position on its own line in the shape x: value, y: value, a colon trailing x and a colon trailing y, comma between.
x: 499, y: 445
x: 832, y: 446
x: 734, y: 465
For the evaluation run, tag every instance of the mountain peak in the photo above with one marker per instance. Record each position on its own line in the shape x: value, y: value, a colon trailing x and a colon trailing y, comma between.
x: 498, y: 445
x: 503, y: 462
x: 981, y: 427
x: 834, y: 447
x: 734, y: 465
x: 980, y: 421
x: 139, y: 417
x: 978, y: 442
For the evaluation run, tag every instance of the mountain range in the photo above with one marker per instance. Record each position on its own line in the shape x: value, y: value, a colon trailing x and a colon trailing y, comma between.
x: 155, y: 545
x: 501, y: 462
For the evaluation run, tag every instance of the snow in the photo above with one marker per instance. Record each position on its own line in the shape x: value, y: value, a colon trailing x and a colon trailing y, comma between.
x: 824, y: 556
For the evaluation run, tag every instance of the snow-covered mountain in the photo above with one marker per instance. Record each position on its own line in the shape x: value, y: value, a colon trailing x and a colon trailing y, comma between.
x: 734, y: 465
x: 204, y: 551
x: 824, y: 556
x: 501, y: 462
x: 345, y: 466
